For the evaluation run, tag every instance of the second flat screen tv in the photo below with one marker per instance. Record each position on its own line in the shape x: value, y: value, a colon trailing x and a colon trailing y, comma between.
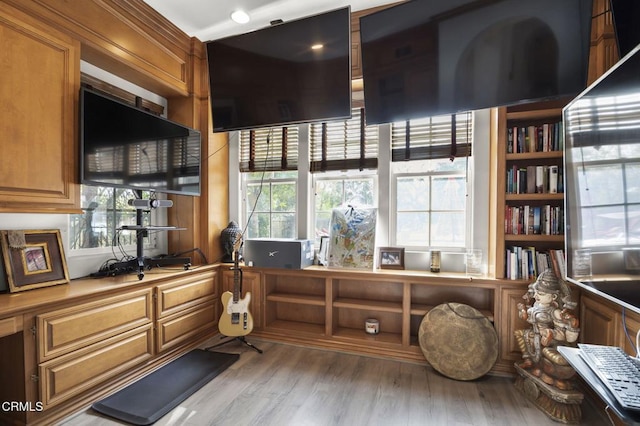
x: 426, y: 58
x: 294, y: 72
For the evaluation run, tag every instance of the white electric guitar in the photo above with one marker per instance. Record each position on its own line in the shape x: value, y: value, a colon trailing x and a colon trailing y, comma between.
x: 236, y: 320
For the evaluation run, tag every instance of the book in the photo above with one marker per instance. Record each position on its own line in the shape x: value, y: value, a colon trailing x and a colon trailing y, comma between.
x: 539, y: 179
x: 553, y: 179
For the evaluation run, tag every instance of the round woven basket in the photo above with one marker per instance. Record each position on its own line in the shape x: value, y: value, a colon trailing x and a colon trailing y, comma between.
x: 458, y: 341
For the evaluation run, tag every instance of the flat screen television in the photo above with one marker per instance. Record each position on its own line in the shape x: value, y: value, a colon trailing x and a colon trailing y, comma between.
x: 626, y: 15
x: 127, y: 147
x: 427, y: 58
x: 602, y: 184
x: 293, y: 72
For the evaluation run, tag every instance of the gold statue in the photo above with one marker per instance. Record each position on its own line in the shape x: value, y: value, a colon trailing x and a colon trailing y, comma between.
x: 549, y: 309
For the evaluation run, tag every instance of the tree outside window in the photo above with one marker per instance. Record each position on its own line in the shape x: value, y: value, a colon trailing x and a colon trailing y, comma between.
x: 270, y: 204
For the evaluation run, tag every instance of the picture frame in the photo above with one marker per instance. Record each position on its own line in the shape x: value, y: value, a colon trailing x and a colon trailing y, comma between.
x: 391, y: 258
x: 38, y: 262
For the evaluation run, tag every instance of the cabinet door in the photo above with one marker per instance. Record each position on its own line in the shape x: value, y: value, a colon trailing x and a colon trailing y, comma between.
x: 599, y: 322
x: 40, y: 70
x: 250, y: 283
x: 178, y: 295
x: 510, y: 322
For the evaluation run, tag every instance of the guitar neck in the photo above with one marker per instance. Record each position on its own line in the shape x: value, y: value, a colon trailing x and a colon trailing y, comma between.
x: 237, y: 281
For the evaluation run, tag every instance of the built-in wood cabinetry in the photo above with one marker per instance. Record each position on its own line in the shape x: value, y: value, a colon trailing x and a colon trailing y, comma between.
x: 328, y: 308
x: 71, y: 344
x: 40, y: 81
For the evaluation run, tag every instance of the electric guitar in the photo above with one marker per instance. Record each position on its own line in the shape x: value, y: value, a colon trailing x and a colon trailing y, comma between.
x: 236, y: 320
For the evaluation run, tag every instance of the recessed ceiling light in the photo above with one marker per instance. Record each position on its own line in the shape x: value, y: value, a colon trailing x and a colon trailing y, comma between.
x: 317, y: 46
x: 240, y: 16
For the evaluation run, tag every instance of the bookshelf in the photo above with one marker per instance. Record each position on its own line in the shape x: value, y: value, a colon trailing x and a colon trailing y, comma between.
x: 527, y: 177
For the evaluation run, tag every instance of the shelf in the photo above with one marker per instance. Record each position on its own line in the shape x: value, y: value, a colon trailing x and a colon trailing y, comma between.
x: 421, y: 310
x: 536, y: 155
x: 535, y: 197
x: 298, y: 327
x: 361, y: 335
x: 381, y: 306
x: 532, y: 115
x: 535, y: 237
x: 300, y: 299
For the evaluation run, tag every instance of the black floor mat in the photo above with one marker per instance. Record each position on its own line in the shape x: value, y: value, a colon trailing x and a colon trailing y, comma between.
x: 147, y: 400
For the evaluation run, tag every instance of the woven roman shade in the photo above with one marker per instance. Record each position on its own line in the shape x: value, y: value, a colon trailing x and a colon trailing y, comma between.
x: 445, y: 136
x: 344, y: 144
x: 269, y: 149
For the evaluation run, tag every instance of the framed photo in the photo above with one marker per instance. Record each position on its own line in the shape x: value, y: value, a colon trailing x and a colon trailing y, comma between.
x: 37, y: 261
x: 391, y: 258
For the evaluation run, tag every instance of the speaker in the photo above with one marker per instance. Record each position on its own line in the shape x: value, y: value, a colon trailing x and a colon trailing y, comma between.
x: 149, y: 204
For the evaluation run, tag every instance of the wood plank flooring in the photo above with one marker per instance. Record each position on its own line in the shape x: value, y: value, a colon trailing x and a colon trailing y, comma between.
x: 291, y: 385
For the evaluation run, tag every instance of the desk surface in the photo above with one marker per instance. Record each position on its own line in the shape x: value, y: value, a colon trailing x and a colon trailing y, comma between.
x: 573, y: 357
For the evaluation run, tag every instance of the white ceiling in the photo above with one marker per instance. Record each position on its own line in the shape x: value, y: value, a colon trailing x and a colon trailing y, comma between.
x: 211, y: 19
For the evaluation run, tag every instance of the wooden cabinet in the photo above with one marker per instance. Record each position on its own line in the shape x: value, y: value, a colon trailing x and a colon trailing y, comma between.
x: 40, y: 70
x: 83, y: 345
x: 186, y: 308
x: 328, y: 308
x: 527, y: 176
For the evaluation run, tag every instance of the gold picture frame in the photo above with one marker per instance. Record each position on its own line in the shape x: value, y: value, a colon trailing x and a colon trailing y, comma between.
x: 38, y: 262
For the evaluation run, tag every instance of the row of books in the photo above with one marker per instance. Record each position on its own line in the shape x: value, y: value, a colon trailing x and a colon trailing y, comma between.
x: 535, y: 180
x: 542, y: 138
x: 534, y: 220
x: 526, y: 263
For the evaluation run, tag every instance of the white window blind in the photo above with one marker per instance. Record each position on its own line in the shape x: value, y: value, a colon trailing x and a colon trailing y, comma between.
x: 269, y: 149
x: 344, y: 144
x: 445, y: 136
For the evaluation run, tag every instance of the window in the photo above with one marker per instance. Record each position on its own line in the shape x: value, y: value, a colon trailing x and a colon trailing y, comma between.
x: 269, y: 160
x: 334, y: 192
x: 429, y: 174
x: 270, y: 204
x: 105, y: 209
x: 341, y: 148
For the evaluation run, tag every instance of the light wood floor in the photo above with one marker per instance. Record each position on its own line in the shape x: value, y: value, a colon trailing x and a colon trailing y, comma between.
x: 290, y: 385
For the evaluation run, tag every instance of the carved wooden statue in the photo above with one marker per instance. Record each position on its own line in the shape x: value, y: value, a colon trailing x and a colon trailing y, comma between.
x: 545, y: 374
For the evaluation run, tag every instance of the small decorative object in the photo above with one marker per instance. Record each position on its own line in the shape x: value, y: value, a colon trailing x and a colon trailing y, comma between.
x: 228, y: 238
x: 435, y: 261
x: 372, y: 326
x: 473, y: 262
x: 544, y: 375
x: 33, y: 258
x: 352, y: 237
x: 391, y: 258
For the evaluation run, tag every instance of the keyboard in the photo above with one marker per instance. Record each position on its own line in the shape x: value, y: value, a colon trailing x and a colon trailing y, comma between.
x: 619, y: 372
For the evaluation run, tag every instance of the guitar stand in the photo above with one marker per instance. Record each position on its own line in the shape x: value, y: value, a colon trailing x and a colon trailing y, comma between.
x: 241, y: 339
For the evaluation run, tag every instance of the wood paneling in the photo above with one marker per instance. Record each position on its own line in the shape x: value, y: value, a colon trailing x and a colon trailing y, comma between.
x: 40, y: 70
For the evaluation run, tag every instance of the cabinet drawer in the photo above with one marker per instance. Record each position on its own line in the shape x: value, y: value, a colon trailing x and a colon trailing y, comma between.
x: 178, y: 328
x: 73, y: 373
x: 184, y: 293
x: 68, y: 329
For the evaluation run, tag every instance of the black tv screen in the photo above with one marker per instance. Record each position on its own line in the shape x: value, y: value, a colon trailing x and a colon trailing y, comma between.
x: 426, y: 58
x: 294, y: 72
x: 626, y: 16
x: 124, y: 146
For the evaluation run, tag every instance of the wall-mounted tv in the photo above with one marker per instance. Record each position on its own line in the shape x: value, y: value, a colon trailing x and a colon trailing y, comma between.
x: 426, y: 58
x: 602, y: 185
x: 127, y: 147
x: 293, y: 72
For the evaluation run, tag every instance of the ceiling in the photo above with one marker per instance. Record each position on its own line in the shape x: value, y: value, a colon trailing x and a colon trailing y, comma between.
x: 211, y: 19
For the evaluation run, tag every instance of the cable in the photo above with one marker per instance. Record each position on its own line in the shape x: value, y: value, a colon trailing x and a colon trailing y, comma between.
x: 264, y: 169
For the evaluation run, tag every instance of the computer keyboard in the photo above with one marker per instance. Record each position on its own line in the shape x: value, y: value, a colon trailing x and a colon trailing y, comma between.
x: 618, y: 371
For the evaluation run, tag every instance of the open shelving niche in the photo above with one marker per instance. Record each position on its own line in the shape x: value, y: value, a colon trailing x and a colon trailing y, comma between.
x: 334, y: 304
x: 523, y: 116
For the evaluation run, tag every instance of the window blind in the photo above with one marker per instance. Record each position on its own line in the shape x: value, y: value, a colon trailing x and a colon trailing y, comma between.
x: 444, y: 136
x: 269, y: 149
x: 344, y: 144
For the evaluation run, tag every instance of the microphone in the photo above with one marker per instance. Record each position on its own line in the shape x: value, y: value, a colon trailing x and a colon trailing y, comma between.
x: 149, y: 204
